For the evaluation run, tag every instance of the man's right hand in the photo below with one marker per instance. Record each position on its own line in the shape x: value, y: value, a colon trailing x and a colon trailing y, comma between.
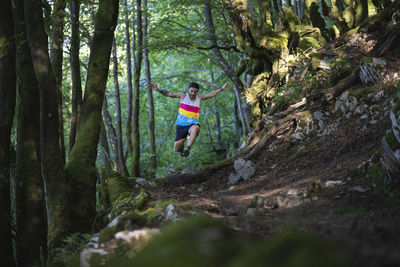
x: 154, y: 87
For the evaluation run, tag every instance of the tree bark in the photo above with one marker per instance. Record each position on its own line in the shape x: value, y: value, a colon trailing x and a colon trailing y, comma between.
x: 7, y: 105
x: 152, y: 139
x: 75, y: 71
x: 228, y: 70
x: 30, y: 204
x: 81, y: 169
x: 128, y: 124
x: 52, y: 161
x: 135, y: 172
x: 121, y: 159
x: 110, y: 132
x: 56, y: 58
x: 105, y: 150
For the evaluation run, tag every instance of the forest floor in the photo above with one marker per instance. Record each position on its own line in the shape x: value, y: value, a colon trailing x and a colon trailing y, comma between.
x: 355, y: 213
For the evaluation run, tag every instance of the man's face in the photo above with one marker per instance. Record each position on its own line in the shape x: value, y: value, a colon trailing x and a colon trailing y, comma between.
x: 193, y: 92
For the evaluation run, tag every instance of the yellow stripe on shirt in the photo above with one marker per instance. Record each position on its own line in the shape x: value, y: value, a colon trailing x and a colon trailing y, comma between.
x: 189, y: 114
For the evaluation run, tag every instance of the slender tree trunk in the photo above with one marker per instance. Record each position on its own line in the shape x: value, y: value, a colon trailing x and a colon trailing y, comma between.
x: 120, y: 151
x: 56, y: 58
x: 81, y: 168
x: 135, y: 119
x: 217, y: 116
x: 75, y: 71
x: 110, y: 132
x: 128, y: 125
x: 52, y: 161
x: 7, y: 105
x: 152, y: 140
x: 228, y: 70
x: 30, y: 205
x: 105, y: 150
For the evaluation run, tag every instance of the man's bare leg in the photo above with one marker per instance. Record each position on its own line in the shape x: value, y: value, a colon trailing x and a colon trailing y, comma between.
x: 193, y: 131
x: 178, y: 145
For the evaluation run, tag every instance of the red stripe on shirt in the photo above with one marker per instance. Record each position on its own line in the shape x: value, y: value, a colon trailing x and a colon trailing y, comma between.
x: 190, y: 108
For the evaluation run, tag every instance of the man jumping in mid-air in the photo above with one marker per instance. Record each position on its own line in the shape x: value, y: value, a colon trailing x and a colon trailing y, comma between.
x: 187, y: 122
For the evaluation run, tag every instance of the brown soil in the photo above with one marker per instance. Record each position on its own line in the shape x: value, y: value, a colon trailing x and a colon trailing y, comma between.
x: 369, y: 227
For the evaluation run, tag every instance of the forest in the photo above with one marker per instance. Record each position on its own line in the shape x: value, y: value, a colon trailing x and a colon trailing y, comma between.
x: 87, y: 147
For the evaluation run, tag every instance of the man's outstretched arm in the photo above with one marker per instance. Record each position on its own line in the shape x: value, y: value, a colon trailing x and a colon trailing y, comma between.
x: 214, y: 93
x: 167, y: 93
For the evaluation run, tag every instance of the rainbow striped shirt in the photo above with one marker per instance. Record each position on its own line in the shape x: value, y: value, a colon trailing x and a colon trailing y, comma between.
x: 188, y: 111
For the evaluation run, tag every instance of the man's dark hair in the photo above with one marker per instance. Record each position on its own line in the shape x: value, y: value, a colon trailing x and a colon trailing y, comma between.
x: 194, y: 85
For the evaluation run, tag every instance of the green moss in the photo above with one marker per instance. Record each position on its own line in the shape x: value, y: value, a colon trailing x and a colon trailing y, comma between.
x: 362, y: 92
x: 107, y: 233
x: 116, y: 184
x: 306, y: 43
x: 152, y: 213
x: 130, y: 220
x: 141, y: 199
x: 127, y: 201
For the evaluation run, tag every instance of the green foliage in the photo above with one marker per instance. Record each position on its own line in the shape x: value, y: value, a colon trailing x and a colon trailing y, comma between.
x: 68, y: 254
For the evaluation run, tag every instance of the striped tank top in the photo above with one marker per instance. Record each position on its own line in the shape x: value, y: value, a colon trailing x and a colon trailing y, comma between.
x: 188, y: 111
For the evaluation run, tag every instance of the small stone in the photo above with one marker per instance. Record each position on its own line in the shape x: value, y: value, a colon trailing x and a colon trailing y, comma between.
x: 358, y: 188
x: 373, y: 122
x: 364, y: 117
x: 234, y: 179
x: 333, y: 183
x: 318, y: 115
x: 251, y: 211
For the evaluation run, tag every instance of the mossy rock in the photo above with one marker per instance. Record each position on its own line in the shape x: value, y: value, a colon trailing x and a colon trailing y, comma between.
x: 128, y: 201
x: 201, y: 241
x: 129, y: 221
x: 196, y: 241
x: 363, y: 92
x: 116, y: 184
x: 308, y: 42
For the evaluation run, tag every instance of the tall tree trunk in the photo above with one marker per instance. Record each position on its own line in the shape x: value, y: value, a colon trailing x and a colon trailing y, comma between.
x: 105, y: 150
x: 75, y: 71
x: 56, y: 58
x: 152, y: 139
x: 110, y: 132
x: 228, y: 70
x: 135, y: 119
x: 81, y: 168
x: 30, y: 205
x: 217, y: 116
x: 121, y: 159
x: 7, y: 106
x: 128, y: 124
x: 52, y: 161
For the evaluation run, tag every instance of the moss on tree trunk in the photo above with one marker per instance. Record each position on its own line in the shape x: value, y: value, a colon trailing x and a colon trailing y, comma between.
x: 81, y: 169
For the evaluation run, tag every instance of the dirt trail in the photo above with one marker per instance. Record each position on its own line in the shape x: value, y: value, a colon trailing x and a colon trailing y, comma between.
x: 359, y: 219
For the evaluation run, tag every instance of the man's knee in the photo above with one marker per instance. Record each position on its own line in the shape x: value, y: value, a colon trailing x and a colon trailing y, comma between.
x: 194, y: 129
